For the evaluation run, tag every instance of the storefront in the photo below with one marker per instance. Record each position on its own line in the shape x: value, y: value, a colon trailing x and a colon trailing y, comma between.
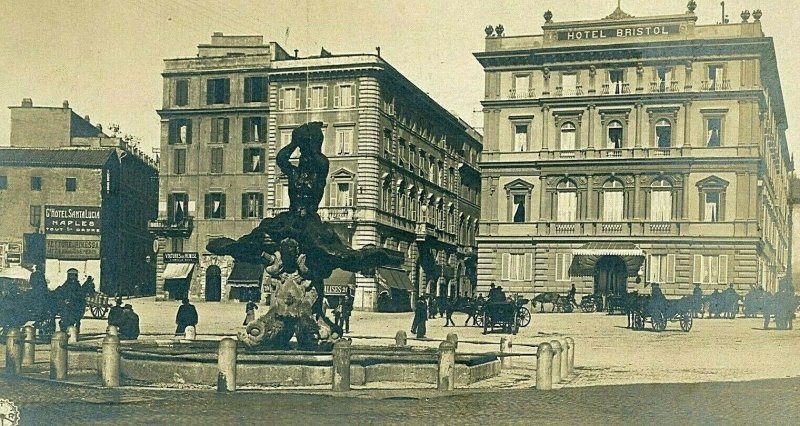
x: 177, y: 273
x: 244, y: 282
x: 394, y: 290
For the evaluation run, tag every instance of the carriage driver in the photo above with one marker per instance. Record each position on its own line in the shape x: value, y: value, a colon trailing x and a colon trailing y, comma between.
x: 571, y: 295
x: 72, y: 300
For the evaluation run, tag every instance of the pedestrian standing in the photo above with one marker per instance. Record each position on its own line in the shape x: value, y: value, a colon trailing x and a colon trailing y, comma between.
x: 420, y: 317
x: 347, y: 310
x: 187, y: 315
x: 769, y: 307
x: 250, y: 312
x: 450, y: 306
x: 432, y: 308
x: 337, y: 314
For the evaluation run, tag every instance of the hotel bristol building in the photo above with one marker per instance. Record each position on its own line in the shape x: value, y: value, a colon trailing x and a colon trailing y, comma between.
x: 626, y: 151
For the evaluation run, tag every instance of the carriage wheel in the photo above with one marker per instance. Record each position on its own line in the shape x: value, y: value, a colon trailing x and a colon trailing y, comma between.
x: 659, y: 321
x: 567, y: 308
x: 98, y: 312
x: 524, y: 317
x: 479, y: 320
x: 686, y: 321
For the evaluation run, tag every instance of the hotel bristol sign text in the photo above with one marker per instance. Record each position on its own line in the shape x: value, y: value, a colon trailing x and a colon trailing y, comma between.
x: 656, y: 30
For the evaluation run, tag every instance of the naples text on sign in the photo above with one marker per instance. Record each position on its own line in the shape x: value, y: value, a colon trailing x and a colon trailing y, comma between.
x: 83, y: 220
x: 657, y: 30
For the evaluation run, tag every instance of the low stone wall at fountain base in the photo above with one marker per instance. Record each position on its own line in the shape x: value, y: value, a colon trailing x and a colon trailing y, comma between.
x: 196, y: 364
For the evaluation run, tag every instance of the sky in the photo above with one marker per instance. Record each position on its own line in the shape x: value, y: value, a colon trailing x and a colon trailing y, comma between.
x: 106, y: 56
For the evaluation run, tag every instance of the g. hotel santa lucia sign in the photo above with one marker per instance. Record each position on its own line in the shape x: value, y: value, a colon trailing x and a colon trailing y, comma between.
x: 80, y: 220
x: 622, y: 32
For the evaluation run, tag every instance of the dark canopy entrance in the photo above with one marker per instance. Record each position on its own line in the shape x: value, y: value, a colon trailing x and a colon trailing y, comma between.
x: 610, y: 276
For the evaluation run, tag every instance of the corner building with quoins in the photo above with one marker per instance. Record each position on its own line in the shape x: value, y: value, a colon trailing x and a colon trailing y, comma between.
x: 630, y: 150
x: 403, y: 170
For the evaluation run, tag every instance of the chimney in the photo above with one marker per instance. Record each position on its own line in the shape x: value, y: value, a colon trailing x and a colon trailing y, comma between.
x: 217, y: 34
x: 378, y: 49
x: 86, y: 117
x: 296, y: 52
x: 65, y: 104
x: 27, y: 102
x: 99, y: 127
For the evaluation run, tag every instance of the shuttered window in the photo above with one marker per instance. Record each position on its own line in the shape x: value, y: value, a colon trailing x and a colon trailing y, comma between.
x: 215, y: 206
x: 563, y: 261
x: 218, y: 91
x: 661, y: 268
x: 710, y: 269
x: 517, y: 266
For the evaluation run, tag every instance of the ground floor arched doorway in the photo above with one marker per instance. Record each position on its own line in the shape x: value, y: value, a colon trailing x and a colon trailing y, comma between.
x: 610, y: 275
x: 213, y: 284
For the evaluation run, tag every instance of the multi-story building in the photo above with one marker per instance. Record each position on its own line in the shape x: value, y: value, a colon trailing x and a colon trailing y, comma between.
x: 625, y: 151
x: 73, y: 197
x: 403, y: 170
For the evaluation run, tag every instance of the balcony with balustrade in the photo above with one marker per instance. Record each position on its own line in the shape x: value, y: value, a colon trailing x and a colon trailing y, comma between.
x: 568, y: 91
x: 171, y: 227
x: 661, y: 86
x: 626, y: 228
x: 697, y: 150
x: 615, y: 89
x: 714, y: 85
x: 522, y: 93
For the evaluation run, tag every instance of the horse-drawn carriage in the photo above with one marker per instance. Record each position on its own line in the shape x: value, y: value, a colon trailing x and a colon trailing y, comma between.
x: 507, y: 315
x: 659, y: 311
x: 560, y: 303
x: 18, y: 308
x: 591, y: 303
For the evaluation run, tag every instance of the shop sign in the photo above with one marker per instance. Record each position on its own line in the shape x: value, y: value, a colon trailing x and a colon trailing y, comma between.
x: 335, y: 289
x: 80, y: 220
x: 623, y: 32
x: 181, y: 257
x: 72, y: 249
x: 14, y: 253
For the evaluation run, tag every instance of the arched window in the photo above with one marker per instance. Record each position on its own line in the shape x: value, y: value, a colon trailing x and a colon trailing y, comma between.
x: 401, y: 200
x: 614, y: 135
x: 613, y: 201
x: 567, y: 201
x: 661, y: 201
x: 386, y: 196
x: 663, y: 134
x: 568, y: 136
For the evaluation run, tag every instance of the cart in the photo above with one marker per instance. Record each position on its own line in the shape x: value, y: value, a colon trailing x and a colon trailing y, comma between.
x: 98, y: 305
x: 662, y: 311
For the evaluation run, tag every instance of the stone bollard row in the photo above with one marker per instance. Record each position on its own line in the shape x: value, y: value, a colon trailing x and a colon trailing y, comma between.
x: 72, y: 335
x: 226, y: 365
x: 29, y: 346
x: 506, y: 346
x: 544, y: 367
x: 447, y: 366
x: 111, y: 361
x: 564, y: 360
x: 558, y: 351
x: 570, y: 356
x: 341, y: 365
x: 400, y: 339
x: 58, y: 356
x: 190, y: 333
x: 13, y: 352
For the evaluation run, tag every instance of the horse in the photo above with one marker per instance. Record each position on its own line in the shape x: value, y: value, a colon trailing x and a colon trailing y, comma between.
x: 546, y: 297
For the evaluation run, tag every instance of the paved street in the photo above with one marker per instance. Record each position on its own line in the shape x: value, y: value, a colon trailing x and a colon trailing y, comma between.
x: 607, y: 352
x: 760, y: 402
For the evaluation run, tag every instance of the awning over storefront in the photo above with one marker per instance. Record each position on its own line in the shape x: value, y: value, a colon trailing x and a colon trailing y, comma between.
x: 177, y: 271
x: 584, y: 259
x: 245, y: 274
x: 394, y: 278
x: 339, y: 281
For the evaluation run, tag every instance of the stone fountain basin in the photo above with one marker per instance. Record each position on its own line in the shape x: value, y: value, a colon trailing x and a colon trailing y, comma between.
x: 174, y: 362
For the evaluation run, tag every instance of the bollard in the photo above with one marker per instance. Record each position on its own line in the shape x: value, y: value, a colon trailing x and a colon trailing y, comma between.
x: 13, y: 352
x: 400, y: 338
x: 453, y: 338
x: 111, y: 361
x: 112, y: 330
x: 58, y: 356
x: 447, y: 366
x: 190, y: 333
x: 571, y: 356
x: 505, y: 348
x: 564, y: 360
x: 226, y: 365
x: 29, y: 346
x: 341, y: 365
x: 558, y: 351
x: 544, y: 367
x: 72, y: 334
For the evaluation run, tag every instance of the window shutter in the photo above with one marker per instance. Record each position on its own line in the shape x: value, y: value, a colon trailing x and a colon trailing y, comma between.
x: 227, y: 90
x: 324, y: 97
x: 263, y: 157
x: 246, y: 161
x: 528, y: 266
x: 309, y: 91
x: 280, y: 101
x: 352, y: 96
x: 332, y: 191
x: 505, y: 266
x: 215, y: 130
x: 297, y: 99
x: 698, y: 269
x: 207, y: 214
x: 650, y: 268
x: 260, y: 205
x: 723, y: 268
x: 245, y: 130
x: 337, y: 90
x: 244, y: 206
x: 222, y: 206
x: 670, y: 278
x: 351, y: 195
x: 226, y: 124
x: 172, y: 130
x: 209, y: 92
x: 188, y: 131
x: 170, y: 208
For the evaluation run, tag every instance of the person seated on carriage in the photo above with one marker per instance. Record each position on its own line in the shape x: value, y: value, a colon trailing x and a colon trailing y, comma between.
x: 571, y: 295
x: 492, y: 295
x: 499, y: 294
x: 657, y: 298
x: 71, y: 300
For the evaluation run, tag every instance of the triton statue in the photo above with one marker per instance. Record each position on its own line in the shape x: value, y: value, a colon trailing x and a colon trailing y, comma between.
x: 300, y: 251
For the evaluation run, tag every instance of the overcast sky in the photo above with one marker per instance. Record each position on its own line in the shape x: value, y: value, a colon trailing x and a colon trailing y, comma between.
x: 105, y: 56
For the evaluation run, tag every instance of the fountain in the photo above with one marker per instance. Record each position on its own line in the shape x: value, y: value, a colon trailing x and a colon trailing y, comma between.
x: 300, y: 251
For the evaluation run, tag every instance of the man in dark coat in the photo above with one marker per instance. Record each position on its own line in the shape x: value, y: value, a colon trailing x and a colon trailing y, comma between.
x: 129, y: 326
x: 420, y: 317
x: 697, y: 299
x: 347, y: 310
x: 72, y: 301
x: 115, y: 314
x: 187, y: 315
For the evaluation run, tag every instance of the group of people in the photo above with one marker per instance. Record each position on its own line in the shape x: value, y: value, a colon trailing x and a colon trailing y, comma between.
x: 342, y: 310
x: 781, y: 306
x: 125, y: 319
